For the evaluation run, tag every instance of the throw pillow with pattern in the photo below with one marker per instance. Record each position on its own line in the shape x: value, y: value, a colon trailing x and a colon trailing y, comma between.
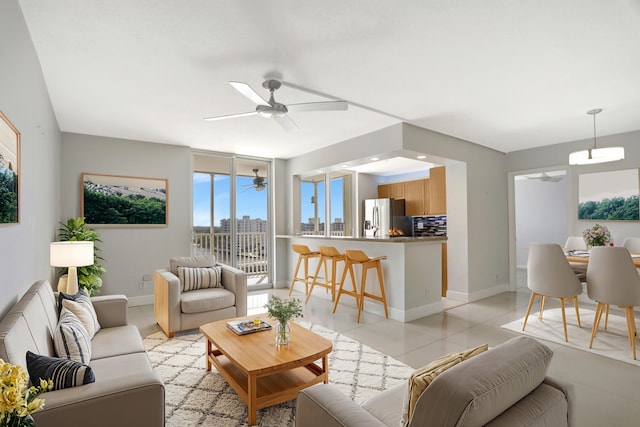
x: 64, y: 373
x: 199, y: 278
x: 82, y: 301
x: 70, y: 339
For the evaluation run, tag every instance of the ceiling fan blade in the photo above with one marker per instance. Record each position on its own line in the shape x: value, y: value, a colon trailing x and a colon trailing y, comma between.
x: 230, y: 116
x: 286, y: 122
x: 318, y: 106
x: 247, y: 91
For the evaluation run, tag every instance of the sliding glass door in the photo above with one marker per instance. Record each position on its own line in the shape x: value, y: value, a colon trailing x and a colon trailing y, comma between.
x: 230, y: 213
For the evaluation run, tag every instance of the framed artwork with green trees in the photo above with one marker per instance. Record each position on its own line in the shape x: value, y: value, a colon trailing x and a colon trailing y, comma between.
x: 9, y: 172
x: 124, y: 201
x: 609, y: 196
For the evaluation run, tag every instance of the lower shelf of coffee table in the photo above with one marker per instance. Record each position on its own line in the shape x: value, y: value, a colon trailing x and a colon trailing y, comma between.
x: 272, y: 388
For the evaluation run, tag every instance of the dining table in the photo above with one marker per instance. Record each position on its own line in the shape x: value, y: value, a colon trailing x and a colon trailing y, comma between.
x: 583, y: 257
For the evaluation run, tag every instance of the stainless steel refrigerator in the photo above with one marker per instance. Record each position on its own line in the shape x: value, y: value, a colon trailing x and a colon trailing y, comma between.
x: 378, y: 218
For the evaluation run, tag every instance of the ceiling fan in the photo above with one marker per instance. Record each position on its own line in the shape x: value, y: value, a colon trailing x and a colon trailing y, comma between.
x: 259, y: 182
x: 274, y: 110
x: 545, y: 177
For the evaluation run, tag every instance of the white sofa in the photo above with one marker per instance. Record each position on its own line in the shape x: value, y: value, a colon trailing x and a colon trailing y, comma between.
x: 506, y: 386
x: 126, y: 390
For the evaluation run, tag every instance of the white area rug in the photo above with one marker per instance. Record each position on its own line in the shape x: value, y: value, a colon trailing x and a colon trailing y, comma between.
x: 612, y: 343
x: 195, y: 397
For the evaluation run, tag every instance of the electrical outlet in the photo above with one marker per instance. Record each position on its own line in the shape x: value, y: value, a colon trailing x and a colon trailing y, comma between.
x: 147, y: 278
x: 141, y: 285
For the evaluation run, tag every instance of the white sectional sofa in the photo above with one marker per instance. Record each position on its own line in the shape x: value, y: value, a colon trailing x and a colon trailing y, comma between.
x: 126, y: 390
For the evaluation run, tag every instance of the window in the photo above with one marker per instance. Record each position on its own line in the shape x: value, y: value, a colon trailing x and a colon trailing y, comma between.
x: 314, y: 207
x: 341, y: 201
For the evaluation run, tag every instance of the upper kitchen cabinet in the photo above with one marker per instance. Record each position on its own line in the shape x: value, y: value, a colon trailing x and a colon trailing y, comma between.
x: 415, y: 202
x: 437, y: 191
x: 394, y: 191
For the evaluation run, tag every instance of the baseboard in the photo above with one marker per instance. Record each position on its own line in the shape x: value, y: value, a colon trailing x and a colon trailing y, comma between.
x: 475, y: 296
x: 416, y: 313
x: 142, y: 300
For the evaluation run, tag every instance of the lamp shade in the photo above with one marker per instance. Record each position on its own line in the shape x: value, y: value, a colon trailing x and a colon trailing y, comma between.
x: 71, y: 254
x: 596, y: 155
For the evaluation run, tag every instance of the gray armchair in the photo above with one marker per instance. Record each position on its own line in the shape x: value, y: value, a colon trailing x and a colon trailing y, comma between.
x: 176, y: 309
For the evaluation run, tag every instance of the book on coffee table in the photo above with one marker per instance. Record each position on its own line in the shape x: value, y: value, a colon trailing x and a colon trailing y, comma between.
x: 247, y: 326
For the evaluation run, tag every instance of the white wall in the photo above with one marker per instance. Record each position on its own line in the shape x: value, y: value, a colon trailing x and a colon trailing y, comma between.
x: 24, y: 247
x: 483, y: 199
x: 541, y: 214
x: 131, y: 253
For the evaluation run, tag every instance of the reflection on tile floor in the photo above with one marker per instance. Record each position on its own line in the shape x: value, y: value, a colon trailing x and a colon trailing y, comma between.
x: 605, y: 390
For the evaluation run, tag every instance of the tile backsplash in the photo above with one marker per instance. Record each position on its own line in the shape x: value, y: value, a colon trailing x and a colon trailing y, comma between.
x: 429, y: 225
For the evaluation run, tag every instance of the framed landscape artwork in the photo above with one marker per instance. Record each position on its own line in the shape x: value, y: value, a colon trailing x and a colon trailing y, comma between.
x: 124, y: 201
x: 609, y: 196
x: 9, y: 172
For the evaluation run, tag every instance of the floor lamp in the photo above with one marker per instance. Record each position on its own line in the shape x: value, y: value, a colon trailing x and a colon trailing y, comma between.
x: 71, y: 255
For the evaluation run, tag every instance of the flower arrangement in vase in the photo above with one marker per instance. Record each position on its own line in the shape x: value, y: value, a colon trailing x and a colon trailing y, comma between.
x: 283, y: 311
x: 598, y: 235
x: 17, y: 401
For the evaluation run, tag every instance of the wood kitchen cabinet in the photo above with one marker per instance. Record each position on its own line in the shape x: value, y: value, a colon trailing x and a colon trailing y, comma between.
x: 445, y: 276
x: 438, y: 191
x: 394, y: 190
x: 384, y: 191
x: 415, y: 202
x: 422, y: 196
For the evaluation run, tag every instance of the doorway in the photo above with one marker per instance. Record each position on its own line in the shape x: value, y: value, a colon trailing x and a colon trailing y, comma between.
x: 540, y: 214
x: 231, y: 214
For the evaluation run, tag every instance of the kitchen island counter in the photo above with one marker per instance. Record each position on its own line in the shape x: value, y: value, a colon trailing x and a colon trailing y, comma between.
x: 386, y: 239
x: 412, y: 271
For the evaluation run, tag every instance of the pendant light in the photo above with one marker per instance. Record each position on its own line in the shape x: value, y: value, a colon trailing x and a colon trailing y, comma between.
x: 596, y: 155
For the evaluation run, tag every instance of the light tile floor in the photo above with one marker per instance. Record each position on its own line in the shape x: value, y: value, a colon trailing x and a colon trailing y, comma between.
x: 606, y: 391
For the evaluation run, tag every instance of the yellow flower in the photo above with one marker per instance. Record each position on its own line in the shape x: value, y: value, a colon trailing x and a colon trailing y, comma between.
x: 17, y: 400
x: 45, y: 385
x: 35, y: 405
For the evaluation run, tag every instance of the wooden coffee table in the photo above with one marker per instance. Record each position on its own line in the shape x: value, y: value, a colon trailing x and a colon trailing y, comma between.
x: 262, y: 374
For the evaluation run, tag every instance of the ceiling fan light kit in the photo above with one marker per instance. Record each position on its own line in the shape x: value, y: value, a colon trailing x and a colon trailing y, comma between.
x: 596, y: 155
x: 272, y: 109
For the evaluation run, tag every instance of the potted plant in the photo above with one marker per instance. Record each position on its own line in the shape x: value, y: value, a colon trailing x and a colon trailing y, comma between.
x: 283, y: 311
x: 598, y: 235
x: 88, y: 276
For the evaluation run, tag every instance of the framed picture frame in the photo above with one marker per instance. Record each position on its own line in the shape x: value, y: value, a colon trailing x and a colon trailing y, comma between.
x: 609, y: 196
x: 124, y: 201
x: 9, y: 172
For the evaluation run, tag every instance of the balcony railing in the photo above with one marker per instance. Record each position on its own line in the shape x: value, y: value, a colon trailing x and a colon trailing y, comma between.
x: 250, y: 251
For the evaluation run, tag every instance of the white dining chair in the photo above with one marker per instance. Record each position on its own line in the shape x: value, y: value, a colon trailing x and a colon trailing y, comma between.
x: 632, y: 244
x: 577, y: 243
x: 612, y: 278
x: 550, y: 275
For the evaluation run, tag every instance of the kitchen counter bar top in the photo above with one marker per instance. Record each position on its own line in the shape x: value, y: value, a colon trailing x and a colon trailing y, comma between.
x: 412, y: 271
x: 399, y: 239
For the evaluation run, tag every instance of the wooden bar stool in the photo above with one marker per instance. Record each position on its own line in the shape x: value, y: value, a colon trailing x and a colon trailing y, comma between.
x: 359, y: 257
x: 304, y: 253
x: 327, y: 253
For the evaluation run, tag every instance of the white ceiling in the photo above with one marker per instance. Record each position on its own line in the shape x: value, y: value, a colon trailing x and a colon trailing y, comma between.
x: 505, y: 74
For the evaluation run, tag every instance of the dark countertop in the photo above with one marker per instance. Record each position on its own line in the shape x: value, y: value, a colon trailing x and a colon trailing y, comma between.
x: 386, y: 239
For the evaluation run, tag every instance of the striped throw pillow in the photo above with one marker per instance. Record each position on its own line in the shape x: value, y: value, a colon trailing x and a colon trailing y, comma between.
x: 71, y: 339
x: 82, y: 300
x: 64, y: 373
x: 199, y: 278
